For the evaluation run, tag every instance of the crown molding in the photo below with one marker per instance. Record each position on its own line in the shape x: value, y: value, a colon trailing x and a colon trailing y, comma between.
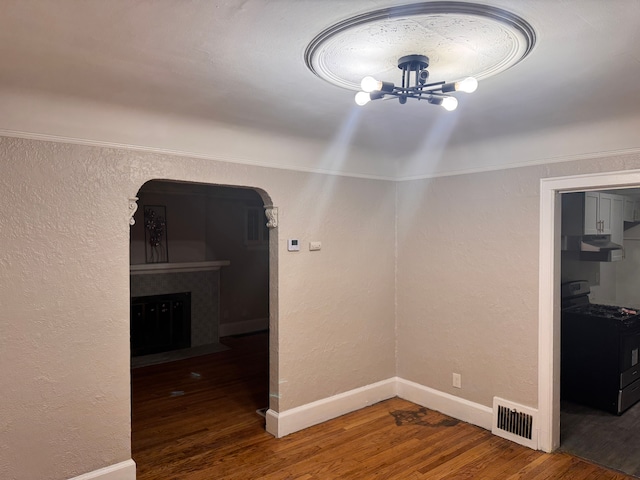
x: 243, y: 161
x: 182, y: 153
x: 529, y: 163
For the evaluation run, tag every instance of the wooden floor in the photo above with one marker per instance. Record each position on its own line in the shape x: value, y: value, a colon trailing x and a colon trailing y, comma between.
x: 196, y: 419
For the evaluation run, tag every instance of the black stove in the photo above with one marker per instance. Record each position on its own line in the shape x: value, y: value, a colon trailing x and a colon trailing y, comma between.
x: 600, y: 347
x: 628, y: 316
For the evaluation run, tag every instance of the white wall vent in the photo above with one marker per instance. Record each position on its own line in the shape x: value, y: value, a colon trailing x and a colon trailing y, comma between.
x: 515, y: 422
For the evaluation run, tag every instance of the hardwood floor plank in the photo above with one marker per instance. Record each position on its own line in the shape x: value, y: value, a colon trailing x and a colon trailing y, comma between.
x: 196, y: 419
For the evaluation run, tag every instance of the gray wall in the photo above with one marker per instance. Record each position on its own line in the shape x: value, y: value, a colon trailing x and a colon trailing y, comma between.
x: 461, y: 296
x: 467, y: 281
x: 64, y: 291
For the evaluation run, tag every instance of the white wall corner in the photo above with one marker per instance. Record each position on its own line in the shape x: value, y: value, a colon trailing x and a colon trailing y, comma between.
x: 280, y: 424
x: 451, y: 405
x: 290, y: 421
x: 120, y: 471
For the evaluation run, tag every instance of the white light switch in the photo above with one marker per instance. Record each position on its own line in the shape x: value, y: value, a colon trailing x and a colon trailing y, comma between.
x: 315, y: 246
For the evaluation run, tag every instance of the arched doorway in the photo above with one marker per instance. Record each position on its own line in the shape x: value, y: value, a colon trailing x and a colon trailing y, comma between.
x: 222, y: 230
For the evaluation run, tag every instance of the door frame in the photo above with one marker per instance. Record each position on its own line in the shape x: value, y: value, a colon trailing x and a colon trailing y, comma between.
x: 549, y: 290
x: 271, y: 220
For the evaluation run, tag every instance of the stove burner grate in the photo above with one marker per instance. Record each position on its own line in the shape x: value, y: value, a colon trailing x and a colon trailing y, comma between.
x: 605, y: 311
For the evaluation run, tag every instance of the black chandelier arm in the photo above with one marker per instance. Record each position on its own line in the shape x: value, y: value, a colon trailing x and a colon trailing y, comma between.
x: 411, y: 92
x: 390, y: 88
x: 429, y: 85
x: 432, y: 87
x: 434, y: 92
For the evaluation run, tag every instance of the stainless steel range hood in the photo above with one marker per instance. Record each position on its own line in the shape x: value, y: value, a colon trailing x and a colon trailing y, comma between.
x: 594, y: 248
x: 600, y: 248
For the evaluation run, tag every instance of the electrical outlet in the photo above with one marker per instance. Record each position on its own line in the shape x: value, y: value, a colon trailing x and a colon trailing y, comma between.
x: 457, y: 380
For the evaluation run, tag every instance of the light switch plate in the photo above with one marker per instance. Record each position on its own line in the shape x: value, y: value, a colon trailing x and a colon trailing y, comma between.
x: 313, y: 246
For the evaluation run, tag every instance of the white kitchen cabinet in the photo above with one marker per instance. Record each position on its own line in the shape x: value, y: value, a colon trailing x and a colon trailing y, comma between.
x: 592, y: 217
x: 617, y: 219
x: 592, y: 213
x: 631, y: 209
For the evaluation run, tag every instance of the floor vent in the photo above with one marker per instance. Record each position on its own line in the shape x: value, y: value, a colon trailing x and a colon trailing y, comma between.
x: 515, y: 422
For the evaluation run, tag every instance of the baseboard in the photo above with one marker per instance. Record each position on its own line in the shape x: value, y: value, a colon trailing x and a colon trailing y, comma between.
x: 299, y: 418
x: 120, y: 471
x: 245, y: 326
x: 451, y: 405
x: 280, y: 424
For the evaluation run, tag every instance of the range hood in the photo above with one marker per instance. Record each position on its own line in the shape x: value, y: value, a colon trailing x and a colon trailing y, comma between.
x: 594, y: 248
x: 600, y: 248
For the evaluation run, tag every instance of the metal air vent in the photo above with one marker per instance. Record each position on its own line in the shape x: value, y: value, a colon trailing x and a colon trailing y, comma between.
x: 515, y: 422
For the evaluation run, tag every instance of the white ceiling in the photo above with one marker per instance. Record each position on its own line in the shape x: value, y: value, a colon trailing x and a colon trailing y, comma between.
x: 241, y: 63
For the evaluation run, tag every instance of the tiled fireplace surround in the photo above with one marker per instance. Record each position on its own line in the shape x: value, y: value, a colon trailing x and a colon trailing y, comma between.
x: 202, y: 279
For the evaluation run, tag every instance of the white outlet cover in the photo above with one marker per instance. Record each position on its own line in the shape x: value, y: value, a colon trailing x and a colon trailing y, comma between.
x: 313, y: 246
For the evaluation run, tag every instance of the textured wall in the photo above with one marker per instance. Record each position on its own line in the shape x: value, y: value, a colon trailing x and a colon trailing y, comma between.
x: 467, y: 279
x: 64, y: 291
x: 467, y: 276
x: 467, y: 284
x: 64, y: 294
x: 335, y: 307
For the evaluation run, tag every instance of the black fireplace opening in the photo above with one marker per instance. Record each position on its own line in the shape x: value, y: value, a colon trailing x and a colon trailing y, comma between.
x: 160, y: 323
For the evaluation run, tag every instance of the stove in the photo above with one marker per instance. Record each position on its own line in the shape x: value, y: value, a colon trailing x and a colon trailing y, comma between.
x: 600, y: 346
x: 628, y: 316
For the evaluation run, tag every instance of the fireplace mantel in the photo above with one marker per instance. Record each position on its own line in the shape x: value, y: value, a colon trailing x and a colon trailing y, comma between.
x: 155, y: 268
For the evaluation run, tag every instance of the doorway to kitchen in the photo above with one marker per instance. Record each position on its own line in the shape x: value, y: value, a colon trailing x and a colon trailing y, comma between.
x: 600, y: 327
x: 552, y: 191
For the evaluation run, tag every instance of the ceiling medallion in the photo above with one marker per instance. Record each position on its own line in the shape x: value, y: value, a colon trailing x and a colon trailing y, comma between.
x: 454, y: 39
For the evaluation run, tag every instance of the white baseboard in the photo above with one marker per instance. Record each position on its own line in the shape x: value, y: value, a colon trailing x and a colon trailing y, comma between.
x: 245, y: 326
x: 120, y: 471
x: 283, y: 423
x: 299, y: 418
x: 451, y: 405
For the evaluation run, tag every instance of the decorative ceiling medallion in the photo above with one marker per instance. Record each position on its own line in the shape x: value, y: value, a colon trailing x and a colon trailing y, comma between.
x: 461, y: 40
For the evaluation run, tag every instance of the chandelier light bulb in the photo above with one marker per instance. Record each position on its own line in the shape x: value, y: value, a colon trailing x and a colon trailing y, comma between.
x: 468, y: 85
x: 370, y: 84
x: 362, y: 98
x: 449, y: 103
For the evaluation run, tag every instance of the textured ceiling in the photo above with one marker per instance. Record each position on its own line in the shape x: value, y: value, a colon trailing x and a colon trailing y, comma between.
x: 242, y: 63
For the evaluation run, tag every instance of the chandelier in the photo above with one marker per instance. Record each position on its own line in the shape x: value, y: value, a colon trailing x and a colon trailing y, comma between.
x: 414, y: 69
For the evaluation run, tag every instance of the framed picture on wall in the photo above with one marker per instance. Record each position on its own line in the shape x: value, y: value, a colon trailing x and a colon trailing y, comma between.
x: 155, y: 234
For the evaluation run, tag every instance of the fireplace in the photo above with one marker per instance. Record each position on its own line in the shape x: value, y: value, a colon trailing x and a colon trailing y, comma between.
x: 169, y: 290
x: 160, y: 323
